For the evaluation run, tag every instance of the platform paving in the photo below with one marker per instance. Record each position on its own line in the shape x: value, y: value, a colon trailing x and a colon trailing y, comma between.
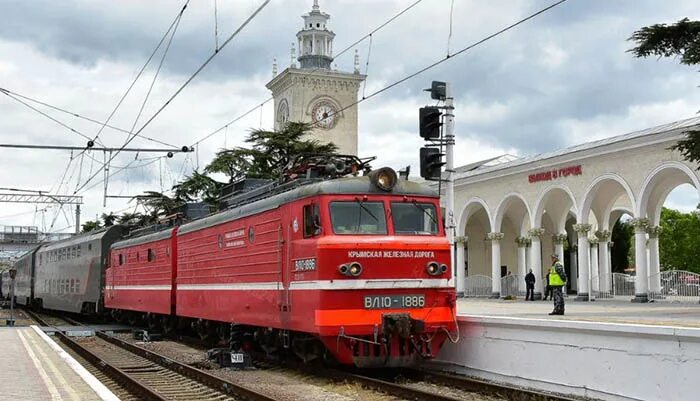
x: 31, y: 369
x: 604, y: 311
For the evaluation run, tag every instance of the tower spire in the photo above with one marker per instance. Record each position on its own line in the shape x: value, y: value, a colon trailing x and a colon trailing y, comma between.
x: 316, y: 7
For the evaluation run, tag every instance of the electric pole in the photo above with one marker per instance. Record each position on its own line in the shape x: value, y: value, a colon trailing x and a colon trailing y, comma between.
x: 431, y: 157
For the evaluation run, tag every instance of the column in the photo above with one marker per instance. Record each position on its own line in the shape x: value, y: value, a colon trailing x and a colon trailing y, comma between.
x: 583, y: 259
x: 604, y: 262
x: 641, y: 284
x: 495, y: 239
x: 654, y: 268
x: 573, y: 268
x: 559, y: 240
x: 460, y: 243
x: 595, y: 272
x: 522, y: 263
x: 536, y: 259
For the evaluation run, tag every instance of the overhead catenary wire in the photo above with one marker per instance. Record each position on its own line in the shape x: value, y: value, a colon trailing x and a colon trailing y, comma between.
x: 138, y: 75
x: 79, y: 116
x: 181, y: 88
x: 343, y: 51
x: 449, y: 56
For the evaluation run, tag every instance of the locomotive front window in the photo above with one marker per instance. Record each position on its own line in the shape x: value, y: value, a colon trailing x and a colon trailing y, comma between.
x: 414, y: 218
x: 358, y: 217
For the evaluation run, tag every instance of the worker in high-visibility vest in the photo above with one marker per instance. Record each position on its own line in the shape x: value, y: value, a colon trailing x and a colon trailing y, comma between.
x: 557, y: 280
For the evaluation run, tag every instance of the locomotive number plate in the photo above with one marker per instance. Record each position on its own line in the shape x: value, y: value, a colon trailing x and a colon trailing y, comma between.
x: 394, y: 301
x: 237, y: 358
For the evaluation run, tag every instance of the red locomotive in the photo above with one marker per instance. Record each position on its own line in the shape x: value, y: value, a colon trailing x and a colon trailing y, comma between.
x: 353, y: 268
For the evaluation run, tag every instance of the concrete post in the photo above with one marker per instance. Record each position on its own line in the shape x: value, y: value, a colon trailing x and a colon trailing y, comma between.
x: 460, y: 243
x: 536, y: 259
x: 641, y: 284
x: 654, y: 263
x: 604, y: 261
x: 522, y: 263
x: 495, y: 239
x: 595, y: 271
x: 583, y: 260
x: 573, y: 269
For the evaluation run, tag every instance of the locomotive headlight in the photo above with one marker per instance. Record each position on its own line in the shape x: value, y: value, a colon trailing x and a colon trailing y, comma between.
x: 384, y: 178
x: 343, y: 269
x: 434, y: 269
x: 355, y: 269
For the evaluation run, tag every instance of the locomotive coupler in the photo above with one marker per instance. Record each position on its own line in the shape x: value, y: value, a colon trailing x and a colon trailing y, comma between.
x: 401, y: 324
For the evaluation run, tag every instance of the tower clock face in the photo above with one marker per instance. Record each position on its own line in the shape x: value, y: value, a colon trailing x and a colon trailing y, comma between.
x: 283, y: 111
x: 324, y: 115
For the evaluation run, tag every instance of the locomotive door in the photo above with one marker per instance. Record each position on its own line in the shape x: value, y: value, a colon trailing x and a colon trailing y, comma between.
x: 285, y: 241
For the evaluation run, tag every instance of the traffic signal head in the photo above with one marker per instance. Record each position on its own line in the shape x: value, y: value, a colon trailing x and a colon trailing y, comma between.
x: 429, y: 122
x: 431, y: 163
x: 438, y: 90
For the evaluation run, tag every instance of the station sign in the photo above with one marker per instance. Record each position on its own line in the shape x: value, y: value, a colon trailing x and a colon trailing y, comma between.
x: 555, y: 174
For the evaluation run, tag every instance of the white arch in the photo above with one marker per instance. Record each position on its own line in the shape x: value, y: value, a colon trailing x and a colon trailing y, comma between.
x: 468, y: 210
x: 649, y: 184
x: 502, y: 208
x: 539, y: 205
x: 590, y: 193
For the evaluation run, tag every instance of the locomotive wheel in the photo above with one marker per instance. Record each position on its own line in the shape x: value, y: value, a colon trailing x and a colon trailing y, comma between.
x: 153, y: 321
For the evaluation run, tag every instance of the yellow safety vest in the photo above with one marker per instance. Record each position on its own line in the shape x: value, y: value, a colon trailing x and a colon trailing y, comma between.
x: 554, y: 278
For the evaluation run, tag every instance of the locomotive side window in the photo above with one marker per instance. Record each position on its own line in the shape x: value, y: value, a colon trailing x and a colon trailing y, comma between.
x: 414, y: 218
x: 358, y: 217
x: 121, y: 259
x: 312, y: 220
x: 151, y: 255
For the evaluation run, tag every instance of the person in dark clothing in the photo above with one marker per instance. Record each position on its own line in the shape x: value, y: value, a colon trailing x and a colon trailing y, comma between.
x: 557, y: 280
x: 547, y: 288
x: 530, y: 285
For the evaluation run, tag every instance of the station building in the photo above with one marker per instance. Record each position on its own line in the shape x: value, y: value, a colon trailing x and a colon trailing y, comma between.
x: 512, y: 213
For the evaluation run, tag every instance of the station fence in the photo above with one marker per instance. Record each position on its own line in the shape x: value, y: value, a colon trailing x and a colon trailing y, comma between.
x: 477, y: 286
x: 509, y: 285
x: 675, y: 286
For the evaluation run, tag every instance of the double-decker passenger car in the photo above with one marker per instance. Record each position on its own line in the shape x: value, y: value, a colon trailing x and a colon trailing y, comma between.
x: 69, y: 274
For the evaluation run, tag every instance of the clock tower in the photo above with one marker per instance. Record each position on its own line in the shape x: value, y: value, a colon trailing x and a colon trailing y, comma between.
x: 313, y: 91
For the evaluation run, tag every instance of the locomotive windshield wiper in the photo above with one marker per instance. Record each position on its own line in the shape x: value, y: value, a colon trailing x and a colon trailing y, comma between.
x: 366, y: 209
x: 425, y: 211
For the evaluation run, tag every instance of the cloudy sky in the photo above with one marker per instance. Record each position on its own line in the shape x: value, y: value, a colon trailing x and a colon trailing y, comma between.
x: 560, y: 79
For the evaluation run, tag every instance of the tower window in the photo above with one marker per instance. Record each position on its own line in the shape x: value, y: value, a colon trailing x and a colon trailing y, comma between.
x: 311, y: 25
x: 318, y: 25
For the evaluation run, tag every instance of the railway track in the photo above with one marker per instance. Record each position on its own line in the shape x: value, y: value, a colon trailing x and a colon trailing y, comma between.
x: 148, y: 375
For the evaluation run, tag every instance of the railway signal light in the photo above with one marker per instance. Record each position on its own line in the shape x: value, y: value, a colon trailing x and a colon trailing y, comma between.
x: 431, y: 163
x: 429, y: 122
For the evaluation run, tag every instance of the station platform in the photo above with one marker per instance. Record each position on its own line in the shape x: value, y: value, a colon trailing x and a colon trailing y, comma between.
x: 34, y: 367
x: 608, y: 349
x: 617, y: 310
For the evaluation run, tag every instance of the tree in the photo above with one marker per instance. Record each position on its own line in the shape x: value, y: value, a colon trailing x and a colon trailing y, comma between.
x: 270, y: 152
x: 108, y: 219
x: 621, y: 238
x: 131, y: 219
x: 679, y: 247
x: 91, y: 226
x: 198, y: 186
x: 158, y: 204
x: 681, y: 40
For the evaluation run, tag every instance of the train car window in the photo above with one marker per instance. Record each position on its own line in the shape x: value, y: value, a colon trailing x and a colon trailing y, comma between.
x: 78, y: 251
x: 151, y: 255
x: 312, y: 220
x: 41, y: 258
x: 358, y: 217
x: 72, y: 286
x: 89, y: 247
x: 77, y: 285
x: 412, y: 218
x: 121, y: 259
